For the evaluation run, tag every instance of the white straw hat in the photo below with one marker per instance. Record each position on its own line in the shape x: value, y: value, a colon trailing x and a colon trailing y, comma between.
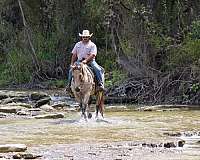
x: 85, y: 33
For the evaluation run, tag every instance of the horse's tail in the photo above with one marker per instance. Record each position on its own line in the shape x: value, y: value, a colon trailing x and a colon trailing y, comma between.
x: 100, y: 102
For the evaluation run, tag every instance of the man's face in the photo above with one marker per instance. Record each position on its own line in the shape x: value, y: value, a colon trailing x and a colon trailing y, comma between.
x: 85, y: 39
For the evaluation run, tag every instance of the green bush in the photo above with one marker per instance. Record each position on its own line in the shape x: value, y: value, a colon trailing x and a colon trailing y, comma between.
x: 195, y: 30
x: 114, y: 77
x: 107, y: 60
x: 45, y: 48
x: 16, y: 69
x: 188, y: 53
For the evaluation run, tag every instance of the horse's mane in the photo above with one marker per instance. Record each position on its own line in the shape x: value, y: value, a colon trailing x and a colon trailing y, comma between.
x: 88, y: 75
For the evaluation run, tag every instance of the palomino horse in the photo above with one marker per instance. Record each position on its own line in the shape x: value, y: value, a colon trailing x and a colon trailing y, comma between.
x: 83, y: 86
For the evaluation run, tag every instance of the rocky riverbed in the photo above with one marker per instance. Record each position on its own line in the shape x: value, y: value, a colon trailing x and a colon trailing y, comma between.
x: 48, y: 125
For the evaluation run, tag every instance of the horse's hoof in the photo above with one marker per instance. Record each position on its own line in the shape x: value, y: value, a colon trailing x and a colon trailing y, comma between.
x: 89, y: 115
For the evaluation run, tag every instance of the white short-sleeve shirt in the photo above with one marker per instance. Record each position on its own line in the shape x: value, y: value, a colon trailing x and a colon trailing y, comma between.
x: 84, y: 50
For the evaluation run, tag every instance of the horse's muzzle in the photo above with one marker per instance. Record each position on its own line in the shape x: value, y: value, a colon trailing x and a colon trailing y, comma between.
x: 77, y: 89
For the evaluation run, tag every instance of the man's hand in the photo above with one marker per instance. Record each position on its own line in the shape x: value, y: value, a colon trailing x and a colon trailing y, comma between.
x: 84, y: 61
x: 72, y: 66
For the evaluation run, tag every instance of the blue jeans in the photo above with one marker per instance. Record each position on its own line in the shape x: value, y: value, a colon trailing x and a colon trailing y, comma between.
x: 97, y: 69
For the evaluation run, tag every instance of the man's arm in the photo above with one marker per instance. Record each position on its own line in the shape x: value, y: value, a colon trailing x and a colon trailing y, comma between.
x: 88, y: 59
x: 73, y: 59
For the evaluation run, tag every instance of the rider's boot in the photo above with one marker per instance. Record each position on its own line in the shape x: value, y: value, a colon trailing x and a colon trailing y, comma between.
x: 101, y: 87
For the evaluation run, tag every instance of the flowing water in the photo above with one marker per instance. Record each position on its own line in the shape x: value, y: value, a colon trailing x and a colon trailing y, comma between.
x: 124, y: 125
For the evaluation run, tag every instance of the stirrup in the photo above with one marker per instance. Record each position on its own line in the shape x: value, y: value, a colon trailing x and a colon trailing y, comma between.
x: 100, y: 87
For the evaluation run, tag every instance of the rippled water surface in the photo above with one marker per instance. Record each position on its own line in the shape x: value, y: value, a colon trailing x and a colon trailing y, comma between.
x: 117, y: 126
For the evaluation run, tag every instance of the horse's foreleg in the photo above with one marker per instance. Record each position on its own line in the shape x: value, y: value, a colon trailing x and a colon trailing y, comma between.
x: 102, y: 104
x: 97, y: 110
x: 88, y: 108
x: 99, y: 106
x: 82, y: 107
x: 87, y: 105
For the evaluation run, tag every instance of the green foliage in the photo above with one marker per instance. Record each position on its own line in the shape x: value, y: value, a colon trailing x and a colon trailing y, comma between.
x: 195, y: 87
x: 195, y: 30
x: 192, y: 48
x: 156, y: 35
x: 115, y: 77
x: 4, y: 75
x: 142, y: 28
x: 45, y: 48
x: 184, y: 55
x: 17, y: 69
x: 188, y: 52
x: 107, y: 60
x: 127, y: 47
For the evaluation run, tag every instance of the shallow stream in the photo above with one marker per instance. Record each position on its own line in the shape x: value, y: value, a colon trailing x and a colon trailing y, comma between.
x: 117, y: 126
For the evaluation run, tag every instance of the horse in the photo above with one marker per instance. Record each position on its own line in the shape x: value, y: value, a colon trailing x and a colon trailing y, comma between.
x: 83, y: 87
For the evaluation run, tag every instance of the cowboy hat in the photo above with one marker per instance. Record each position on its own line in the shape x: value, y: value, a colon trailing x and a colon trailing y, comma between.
x: 85, y: 33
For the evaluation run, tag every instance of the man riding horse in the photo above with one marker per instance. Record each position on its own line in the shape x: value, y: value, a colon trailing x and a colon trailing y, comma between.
x: 85, y: 51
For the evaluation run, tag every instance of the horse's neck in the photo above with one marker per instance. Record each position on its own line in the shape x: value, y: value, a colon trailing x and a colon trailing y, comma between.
x: 88, y: 74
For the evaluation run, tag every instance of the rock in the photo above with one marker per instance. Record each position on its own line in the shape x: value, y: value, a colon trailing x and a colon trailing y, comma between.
x: 117, y: 108
x: 38, y: 95
x: 42, y: 101
x: 2, y: 115
x: 173, y: 134
x: 74, y: 105
x: 181, y: 143
x: 26, y: 105
x: 70, y: 109
x: 148, y: 109
x: 6, y: 101
x: 1, y: 156
x: 22, y: 113
x: 3, y: 96
x: 47, y: 108
x: 169, y: 145
x: 50, y: 116
x: 166, y: 107
x: 10, y: 109
x: 13, y: 148
x: 14, y: 99
x: 60, y: 105
x: 7, y: 93
x: 26, y: 156
x: 36, y: 111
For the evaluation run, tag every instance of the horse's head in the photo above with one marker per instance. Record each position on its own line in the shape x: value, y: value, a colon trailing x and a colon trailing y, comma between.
x: 78, y: 75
